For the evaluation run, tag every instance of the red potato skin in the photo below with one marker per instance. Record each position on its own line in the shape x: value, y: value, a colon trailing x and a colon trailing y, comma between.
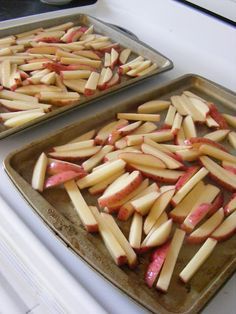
x: 216, y: 204
x: 199, y: 213
x: 58, y: 67
x: 124, y: 213
x: 230, y: 169
x: 113, y: 137
x: 92, y: 228
x: 106, y: 201
x: 198, y: 141
x: 55, y: 167
x: 157, y: 260
x: 75, y: 35
x: 226, y: 208
x: 60, y: 178
x: 186, y: 176
x: 217, y: 116
x: 49, y: 40
x: 89, y: 92
x: 152, y: 176
x: 122, y: 260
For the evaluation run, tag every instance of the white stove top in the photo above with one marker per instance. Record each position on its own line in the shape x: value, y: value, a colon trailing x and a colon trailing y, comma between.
x: 197, y: 43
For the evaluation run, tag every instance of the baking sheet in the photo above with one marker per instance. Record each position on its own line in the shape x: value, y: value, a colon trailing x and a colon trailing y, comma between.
x: 117, y: 35
x: 56, y: 211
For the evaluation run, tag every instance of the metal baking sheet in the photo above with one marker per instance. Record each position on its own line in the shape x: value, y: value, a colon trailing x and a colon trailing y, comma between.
x: 56, y: 211
x: 117, y: 35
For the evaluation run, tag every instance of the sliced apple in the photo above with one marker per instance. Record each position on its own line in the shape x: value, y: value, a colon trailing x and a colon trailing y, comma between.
x: 135, y: 233
x: 162, y: 175
x: 81, y: 206
x: 142, y: 159
x: 170, y: 260
x: 39, y: 172
x: 75, y: 154
x: 90, y: 163
x: 170, y: 116
x: 101, y: 186
x: 104, y: 132
x: 187, y: 187
x: 139, y: 116
x: 120, y: 189
x: 111, y: 223
x: 232, y: 139
x: 231, y: 120
x: 158, y: 236
x: 155, y: 266
x: 231, y: 205
x: 216, y: 153
x: 205, y: 230
x: 197, y: 260
x: 219, y: 174
x: 189, y: 127
x: 158, y: 208
x: 158, y: 136
x: 56, y: 166
x: 111, y: 242
x: 101, y: 174
x: 153, y: 106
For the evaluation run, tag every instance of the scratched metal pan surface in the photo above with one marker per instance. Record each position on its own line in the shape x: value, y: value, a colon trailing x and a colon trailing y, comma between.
x: 116, y: 35
x: 56, y: 211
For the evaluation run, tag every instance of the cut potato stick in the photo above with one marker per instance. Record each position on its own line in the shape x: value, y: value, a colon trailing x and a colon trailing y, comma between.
x: 15, y: 105
x: 10, y: 95
x: 232, y: 139
x: 217, y: 136
x: 198, y: 259
x: 39, y: 172
x: 8, y: 115
x: 48, y: 96
x: 139, y: 116
x: 84, y: 137
x: 76, y: 85
x: 182, y: 192
x: 22, y: 119
x: 131, y: 256
x: 176, y: 102
x: 159, y: 136
x: 135, y: 233
x: 74, y: 146
x: 231, y: 120
x: 93, y: 161
x: 101, y: 174
x: 111, y: 242
x: 81, y: 206
x: 77, y: 74
x: 170, y: 261
x: 32, y: 90
x: 153, y: 106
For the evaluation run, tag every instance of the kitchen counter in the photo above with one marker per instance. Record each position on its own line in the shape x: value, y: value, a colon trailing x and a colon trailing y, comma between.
x: 197, y: 43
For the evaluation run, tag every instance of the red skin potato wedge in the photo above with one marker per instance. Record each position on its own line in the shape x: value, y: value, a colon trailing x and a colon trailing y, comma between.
x: 222, y: 183
x: 113, y: 81
x: 230, y: 169
x: 58, y: 67
x: 157, y: 260
x: 115, y: 46
x: 48, y: 40
x: 195, y: 217
x: 216, y: 204
x: 104, y: 201
x: 60, y: 178
x: 220, y: 234
x: 153, y: 176
x: 217, y: 116
x: 186, y: 176
x: 58, y: 166
x: 227, y: 207
x: 197, y: 141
